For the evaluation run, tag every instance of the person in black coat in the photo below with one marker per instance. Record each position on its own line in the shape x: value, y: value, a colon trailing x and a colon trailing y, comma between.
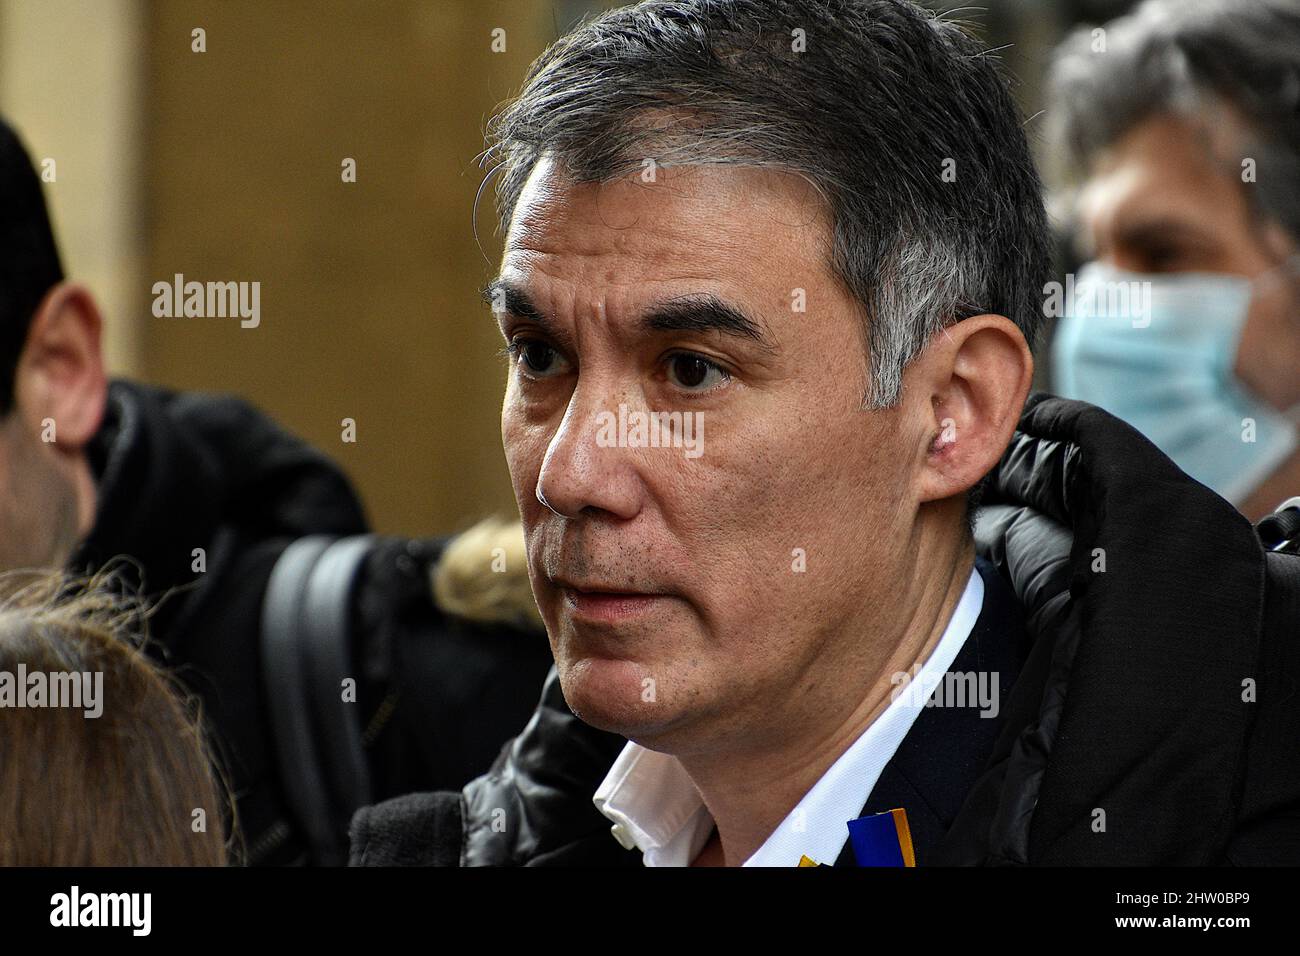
x: 193, y: 499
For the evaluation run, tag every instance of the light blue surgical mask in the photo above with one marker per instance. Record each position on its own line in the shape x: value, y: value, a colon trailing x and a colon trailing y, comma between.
x: 1158, y: 351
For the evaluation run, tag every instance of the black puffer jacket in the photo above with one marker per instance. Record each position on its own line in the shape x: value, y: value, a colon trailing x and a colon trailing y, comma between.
x: 1158, y: 697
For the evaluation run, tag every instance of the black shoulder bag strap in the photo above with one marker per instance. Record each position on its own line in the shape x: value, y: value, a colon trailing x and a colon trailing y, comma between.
x: 306, y: 656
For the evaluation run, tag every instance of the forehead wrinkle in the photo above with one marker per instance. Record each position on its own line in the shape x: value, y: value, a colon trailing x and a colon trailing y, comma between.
x: 561, y: 233
x: 670, y: 218
x: 700, y: 310
x: 645, y: 243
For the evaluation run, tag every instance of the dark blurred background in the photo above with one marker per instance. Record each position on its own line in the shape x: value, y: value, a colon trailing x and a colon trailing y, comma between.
x: 225, y: 165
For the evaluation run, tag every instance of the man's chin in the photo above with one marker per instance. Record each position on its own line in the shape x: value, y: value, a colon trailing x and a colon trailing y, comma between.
x: 612, y: 694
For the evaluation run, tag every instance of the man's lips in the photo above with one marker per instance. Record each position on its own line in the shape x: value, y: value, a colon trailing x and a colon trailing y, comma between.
x: 607, y: 604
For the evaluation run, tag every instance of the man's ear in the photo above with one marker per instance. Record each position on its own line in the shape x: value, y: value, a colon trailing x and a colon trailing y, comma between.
x: 976, y: 376
x: 60, y: 388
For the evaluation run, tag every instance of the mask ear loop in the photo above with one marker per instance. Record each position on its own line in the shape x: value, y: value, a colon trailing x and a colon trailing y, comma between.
x: 1286, y: 272
x: 1289, y: 267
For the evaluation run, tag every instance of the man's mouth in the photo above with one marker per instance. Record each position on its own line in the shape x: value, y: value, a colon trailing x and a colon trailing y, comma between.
x: 608, y: 604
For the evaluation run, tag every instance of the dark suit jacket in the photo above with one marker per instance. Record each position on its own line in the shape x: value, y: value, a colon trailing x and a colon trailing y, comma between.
x: 946, y: 748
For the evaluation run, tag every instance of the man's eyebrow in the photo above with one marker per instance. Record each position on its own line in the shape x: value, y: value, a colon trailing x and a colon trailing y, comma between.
x: 692, y: 312
x: 1158, y: 229
x: 704, y: 312
x: 513, y: 300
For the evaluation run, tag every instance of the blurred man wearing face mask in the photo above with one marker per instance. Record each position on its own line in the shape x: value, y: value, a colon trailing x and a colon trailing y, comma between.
x: 1182, y: 122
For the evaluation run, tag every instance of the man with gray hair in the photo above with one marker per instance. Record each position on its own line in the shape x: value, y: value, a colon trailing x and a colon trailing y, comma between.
x: 816, y: 226
x: 1179, y: 130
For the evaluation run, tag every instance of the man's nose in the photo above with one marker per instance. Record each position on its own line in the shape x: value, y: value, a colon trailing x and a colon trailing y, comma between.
x: 582, y: 472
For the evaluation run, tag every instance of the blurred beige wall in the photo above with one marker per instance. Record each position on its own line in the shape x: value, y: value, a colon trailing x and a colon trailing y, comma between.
x: 369, y: 306
x: 69, y: 82
x: 225, y: 165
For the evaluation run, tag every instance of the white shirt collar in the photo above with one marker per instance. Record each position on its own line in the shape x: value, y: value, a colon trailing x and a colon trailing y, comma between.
x: 656, y: 807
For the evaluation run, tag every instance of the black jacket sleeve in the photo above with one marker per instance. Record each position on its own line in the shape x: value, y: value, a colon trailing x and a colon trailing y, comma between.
x: 419, y: 829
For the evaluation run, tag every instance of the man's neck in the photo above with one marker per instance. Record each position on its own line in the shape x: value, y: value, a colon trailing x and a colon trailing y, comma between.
x: 1275, y: 489
x: 749, y: 793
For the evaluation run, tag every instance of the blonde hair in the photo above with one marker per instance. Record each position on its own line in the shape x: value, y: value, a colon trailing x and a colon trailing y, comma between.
x: 483, y: 576
x: 119, y: 789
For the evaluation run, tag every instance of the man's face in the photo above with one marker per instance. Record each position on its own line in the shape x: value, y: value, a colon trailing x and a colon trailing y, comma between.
x: 1169, y: 197
x: 742, y: 561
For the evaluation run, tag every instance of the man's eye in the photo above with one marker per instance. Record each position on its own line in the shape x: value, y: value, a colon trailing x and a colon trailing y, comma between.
x: 694, y: 372
x: 1163, y: 259
x: 535, y: 357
